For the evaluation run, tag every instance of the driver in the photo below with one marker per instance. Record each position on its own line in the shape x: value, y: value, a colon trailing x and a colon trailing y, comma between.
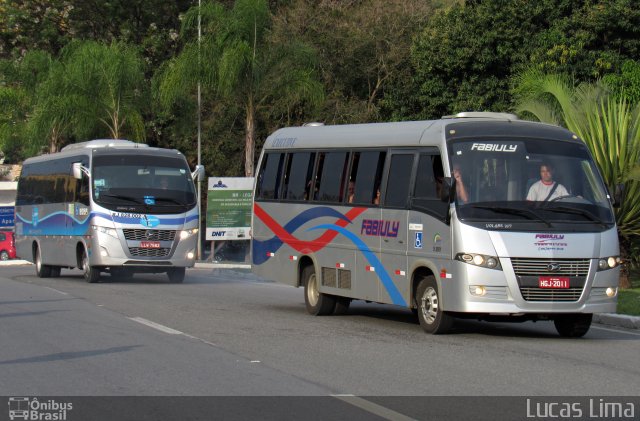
x: 546, y: 189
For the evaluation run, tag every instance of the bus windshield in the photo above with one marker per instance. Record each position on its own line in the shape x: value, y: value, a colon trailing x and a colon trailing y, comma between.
x: 528, y: 184
x: 137, y: 183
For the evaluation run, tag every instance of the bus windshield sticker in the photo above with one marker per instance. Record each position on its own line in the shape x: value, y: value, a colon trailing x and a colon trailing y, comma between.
x: 98, y: 182
x: 493, y: 147
x: 149, y: 200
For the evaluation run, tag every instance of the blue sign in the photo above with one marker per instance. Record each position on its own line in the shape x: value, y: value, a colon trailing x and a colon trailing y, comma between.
x: 418, y: 243
x: 6, y: 216
x: 149, y: 200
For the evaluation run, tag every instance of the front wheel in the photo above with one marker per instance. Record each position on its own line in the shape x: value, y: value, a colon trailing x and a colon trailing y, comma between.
x: 176, y: 275
x: 432, y: 317
x: 573, y: 325
x: 91, y: 274
x: 317, y: 303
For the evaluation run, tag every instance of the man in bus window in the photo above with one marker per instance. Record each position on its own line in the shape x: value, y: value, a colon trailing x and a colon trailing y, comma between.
x: 546, y: 189
x: 163, y: 183
x: 351, y: 191
x: 461, y: 190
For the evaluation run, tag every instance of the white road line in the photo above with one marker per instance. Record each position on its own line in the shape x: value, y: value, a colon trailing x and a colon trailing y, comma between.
x: 59, y: 292
x: 157, y: 326
x: 615, y: 330
x: 373, y: 408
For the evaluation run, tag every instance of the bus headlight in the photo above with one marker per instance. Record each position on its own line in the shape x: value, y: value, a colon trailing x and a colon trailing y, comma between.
x: 105, y: 230
x: 184, y: 234
x: 489, y: 262
x: 609, y: 262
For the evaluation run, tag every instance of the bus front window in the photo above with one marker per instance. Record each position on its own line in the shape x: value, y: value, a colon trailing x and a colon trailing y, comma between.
x: 528, y: 182
x: 141, y: 183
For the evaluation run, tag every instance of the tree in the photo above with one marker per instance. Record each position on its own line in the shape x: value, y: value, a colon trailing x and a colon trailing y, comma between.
x: 609, y: 126
x: 236, y: 60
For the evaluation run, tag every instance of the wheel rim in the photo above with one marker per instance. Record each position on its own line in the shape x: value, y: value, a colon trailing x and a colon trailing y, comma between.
x: 38, y: 262
x: 429, y: 305
x: 85, y: 265
x: 4, y: 255
x: 312, y: 290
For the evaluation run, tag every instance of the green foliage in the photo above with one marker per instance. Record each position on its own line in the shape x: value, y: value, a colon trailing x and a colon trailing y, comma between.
x: 609, y: 126
x: 236, y: 61
x: 626, y: 84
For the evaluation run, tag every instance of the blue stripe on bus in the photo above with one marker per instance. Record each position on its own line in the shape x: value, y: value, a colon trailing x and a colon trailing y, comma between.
x: 373, y: 260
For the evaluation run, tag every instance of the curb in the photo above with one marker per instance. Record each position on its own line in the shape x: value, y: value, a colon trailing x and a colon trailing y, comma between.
x: 618, y: 320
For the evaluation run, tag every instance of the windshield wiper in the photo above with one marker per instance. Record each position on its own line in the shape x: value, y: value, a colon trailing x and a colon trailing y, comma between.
x: 121, y: 197
x: 513, y: 211
x: 168, y: 199
x: 576, y: 211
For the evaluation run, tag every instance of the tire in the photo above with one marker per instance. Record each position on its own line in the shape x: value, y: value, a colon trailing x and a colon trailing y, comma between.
x: 432, y: 318
x: 43, y: 271
x: 342, y: 305
x: 318, y: 304
x: 573, y: 325
x: 176, y: 275
x: 4, y: 255
x: 91, y: 274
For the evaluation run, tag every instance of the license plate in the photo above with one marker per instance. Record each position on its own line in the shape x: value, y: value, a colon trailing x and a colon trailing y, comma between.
x: 553, y: 282
x: 150, y: 244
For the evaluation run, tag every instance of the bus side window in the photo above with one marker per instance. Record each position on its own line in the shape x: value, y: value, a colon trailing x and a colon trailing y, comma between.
x: 332, y: 172
x: 427, y: 193
x: 366, y: 176
x: 269, y: 177
x: 298, y: 175
x: 399, y: 180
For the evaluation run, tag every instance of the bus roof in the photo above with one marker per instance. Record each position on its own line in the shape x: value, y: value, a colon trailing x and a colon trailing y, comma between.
x: 411, y: 133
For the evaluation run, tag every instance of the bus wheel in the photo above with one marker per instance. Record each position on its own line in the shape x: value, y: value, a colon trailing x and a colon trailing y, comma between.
x: 43, y: 271
x: 176, y: 275
x: 317, y: 303
x: 430, y: 314
x: 91, y: 274
x: 573, y: 325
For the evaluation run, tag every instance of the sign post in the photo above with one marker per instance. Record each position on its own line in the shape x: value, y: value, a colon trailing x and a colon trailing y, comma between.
x: 229, y: 201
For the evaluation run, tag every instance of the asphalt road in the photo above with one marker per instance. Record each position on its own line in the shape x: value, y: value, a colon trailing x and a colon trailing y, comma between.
x: 228, y: 333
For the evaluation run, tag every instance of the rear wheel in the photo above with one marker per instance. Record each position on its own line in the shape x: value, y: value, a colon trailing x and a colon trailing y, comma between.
x: 317, y: 303
x: 573, y: 325
x: 176, y: 275
x: 91, y: 274
x: 43, y: 271
x: 4, y: 255
x: 432, y: 317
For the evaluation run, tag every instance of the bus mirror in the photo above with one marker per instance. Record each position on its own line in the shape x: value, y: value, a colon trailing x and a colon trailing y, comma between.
x: 617, y: 195
x: 198, y: 173
x: 78, y: 169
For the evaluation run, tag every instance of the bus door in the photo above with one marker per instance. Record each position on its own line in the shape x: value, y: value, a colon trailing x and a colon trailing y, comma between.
x: 393, y: 228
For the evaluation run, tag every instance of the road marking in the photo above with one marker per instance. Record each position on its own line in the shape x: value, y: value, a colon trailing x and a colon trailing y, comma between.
x: 155, y: 325
x: 59, y: 292
x: 614, y: 330
x: 373, y: 408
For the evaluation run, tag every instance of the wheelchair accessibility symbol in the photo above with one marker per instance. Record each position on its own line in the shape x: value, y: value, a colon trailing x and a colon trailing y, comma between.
x: 418, y: 243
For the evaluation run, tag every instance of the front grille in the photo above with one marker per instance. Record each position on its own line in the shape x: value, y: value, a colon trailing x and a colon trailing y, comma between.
x: 546, y: 294
x: 148, y: 235
x: 149, y: 252
x: 540, y: 267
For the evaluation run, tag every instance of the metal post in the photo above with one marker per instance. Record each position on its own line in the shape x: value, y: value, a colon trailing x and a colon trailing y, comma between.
x: 199, y: 246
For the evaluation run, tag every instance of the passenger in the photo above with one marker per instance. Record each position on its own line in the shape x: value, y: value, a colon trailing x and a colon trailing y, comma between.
x: 461, y: 190
x: 351, y: 191
x: 546, y: 189
x: 163, y: 184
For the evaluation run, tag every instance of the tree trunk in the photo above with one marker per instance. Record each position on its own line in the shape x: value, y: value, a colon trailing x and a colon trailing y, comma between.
x: 249, y: 143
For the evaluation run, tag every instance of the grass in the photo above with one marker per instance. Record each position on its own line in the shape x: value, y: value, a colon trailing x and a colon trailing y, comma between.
x: 629, y: 299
